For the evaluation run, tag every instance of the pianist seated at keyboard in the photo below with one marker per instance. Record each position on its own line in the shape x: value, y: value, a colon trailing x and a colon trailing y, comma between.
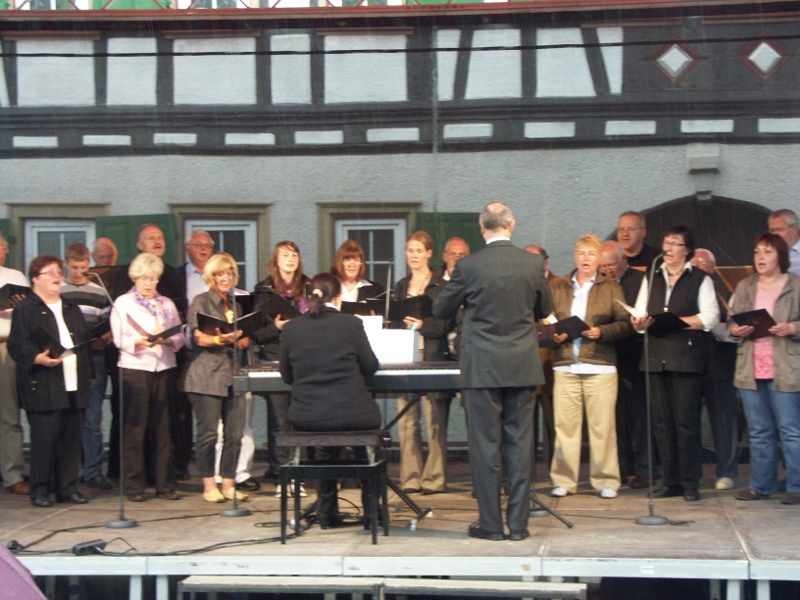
x: 325, y: 356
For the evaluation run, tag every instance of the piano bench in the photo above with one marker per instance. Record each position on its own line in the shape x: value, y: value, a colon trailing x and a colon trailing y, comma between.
x: 373, y: 471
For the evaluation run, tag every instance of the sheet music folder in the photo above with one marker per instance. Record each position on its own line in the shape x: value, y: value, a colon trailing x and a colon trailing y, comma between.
x: 154, y: 337
x: 760, y: 319
x: 248, y: 324
x: 417, y: 307
x: 8, y: 291
x: 572, y: 326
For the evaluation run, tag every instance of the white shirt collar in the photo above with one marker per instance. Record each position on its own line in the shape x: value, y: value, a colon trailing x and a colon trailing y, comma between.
x: 497, y: 238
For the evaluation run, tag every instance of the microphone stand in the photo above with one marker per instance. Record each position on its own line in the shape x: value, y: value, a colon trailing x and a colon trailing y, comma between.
x: 120, y: 522
x: 651, y: 518
x: 235, y: 511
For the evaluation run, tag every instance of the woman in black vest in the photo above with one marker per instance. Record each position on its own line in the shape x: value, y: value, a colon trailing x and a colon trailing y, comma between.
x: 326, y: 358
x: 677, y: 361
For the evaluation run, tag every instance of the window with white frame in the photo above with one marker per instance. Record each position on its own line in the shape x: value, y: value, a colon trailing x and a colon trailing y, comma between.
x: 383, y: 241
x: 51, y: 236
x: 237, y: 238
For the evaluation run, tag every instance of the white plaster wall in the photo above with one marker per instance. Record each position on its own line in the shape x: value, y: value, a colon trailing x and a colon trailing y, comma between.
x: 495, y: 73
x: 131, y: 79
x: 215, y: 79
x: 55, y: 80
x: 562, y: 72
x: 365, y: 77
x: 291, y: 74
x: 556, y: 195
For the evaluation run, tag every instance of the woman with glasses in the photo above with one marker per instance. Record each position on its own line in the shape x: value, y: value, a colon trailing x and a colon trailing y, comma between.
x: 286, y: 279
x: 53, y: 388
x: 585, y: 374
x: 351, y: 268
x: 768, y: 370
x: 677, y: 360
x: 148, y: 377
x: 209, y: 380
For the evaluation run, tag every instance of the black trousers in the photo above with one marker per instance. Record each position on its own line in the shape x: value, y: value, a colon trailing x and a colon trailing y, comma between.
x: 277, y: 422
x: 180, y: 416
x: 55, y: 450
x: 677, y: 402
x: 632, y: 427
x: 145, y: 397
x: 328, y: 507
x: 501, y: 418
x: 209, y: 410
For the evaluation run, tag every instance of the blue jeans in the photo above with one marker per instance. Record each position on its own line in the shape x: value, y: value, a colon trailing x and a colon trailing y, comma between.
x: 93, y: 421
x: 772, y: 416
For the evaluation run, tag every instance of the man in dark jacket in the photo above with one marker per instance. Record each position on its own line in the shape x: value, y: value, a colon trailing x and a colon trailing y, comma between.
x: 500, y: 366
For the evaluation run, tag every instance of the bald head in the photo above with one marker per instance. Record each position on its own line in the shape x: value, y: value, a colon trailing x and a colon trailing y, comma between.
x: 613, y: 261
x: 454, y: 249
x: 534, y: 249
x: 496, y: 220
x: 105, y: 253
x: 705, y: 260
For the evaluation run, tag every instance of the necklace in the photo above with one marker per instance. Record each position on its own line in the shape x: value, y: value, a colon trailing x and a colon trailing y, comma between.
x: 418, y: 288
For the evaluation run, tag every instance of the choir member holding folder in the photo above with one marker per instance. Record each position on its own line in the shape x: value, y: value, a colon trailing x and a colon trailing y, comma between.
x: 585, y: 373
x: 768, y: 369
x: 53, y: 391
x: 279, y: 298
x: 677, y: 360
x: 147, y: 330
x: 209, y: 380
x: 416, y: 474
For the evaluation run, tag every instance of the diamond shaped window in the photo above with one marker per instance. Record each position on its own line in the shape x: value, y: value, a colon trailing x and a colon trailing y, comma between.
x: 674, y: 59
x: 764, y: 58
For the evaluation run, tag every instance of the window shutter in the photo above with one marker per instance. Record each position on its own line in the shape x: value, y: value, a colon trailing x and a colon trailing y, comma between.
x: 122, y: 229
x: 443, y: 226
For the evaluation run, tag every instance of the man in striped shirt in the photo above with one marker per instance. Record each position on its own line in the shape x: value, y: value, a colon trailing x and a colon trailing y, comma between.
x: 784, y: 223
x: 94, y: 305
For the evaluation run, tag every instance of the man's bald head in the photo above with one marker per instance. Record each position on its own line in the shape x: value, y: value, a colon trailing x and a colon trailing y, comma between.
x: 534, y: 249
x: 454, y: 249
x: 496, y: 220
x: 104, y: 252
x: 613, y: 260
x: 705, y: 260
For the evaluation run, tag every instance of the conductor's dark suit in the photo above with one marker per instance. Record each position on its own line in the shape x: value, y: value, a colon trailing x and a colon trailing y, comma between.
x: 500, y: 369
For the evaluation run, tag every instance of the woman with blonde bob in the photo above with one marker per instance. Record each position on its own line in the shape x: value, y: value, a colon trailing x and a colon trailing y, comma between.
x: 209, y: 380
x: 148, y: 376
x: 585, y: 373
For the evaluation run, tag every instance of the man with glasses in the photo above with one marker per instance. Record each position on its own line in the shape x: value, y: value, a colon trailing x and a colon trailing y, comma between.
x: 12, y: 460
x: 784, y: 223
x: 631, y: 232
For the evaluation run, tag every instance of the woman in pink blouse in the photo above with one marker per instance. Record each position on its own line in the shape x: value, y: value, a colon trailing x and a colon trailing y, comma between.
x: 768, y: 370
x: 148, y: 375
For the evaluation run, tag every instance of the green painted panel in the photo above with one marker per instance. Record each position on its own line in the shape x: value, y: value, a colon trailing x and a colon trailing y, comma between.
x: 122, y: 229
x: 443, y: 226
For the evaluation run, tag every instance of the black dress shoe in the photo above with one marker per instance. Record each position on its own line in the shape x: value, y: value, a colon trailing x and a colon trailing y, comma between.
x: 98, y: 481
x: 410, y: 490
x: 135, y: 497
x: 691, y: 495
x: 181, y: 475
x: 168, y: 496
x: 430, y: 492
x: 74, y: 498
x: 519, y: 536
x: 671, y: 491
x: 41, y: 501
x: 477, y: 532
x: 248, y: 485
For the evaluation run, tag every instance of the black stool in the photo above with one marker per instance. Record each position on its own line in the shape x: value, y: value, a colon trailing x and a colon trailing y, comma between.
x: 373, y: 471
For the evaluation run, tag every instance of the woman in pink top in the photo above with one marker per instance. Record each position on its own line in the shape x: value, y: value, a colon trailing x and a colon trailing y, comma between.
x: 768, y: 370
x: 148, y: 375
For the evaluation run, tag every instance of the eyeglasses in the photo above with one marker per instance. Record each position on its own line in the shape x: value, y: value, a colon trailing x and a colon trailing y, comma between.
x: 586, y: 253
x: 54, y: 273
x: 701, y: 261
x: 202, y: 244
x: 672, y: 245
x: 780, y: 230
x: 148, y: 279
x: 628, y: 229
x: 223, y: 275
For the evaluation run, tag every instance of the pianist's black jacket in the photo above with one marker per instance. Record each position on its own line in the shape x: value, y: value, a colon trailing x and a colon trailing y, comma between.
x: 326, y: 361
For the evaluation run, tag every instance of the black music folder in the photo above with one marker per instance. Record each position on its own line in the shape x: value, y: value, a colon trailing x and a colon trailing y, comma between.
x: 248, y: 324
x: 417, y: 307
x: 278, y: 305
x: 358, y: 308
x: 54, y: 345
x: 7, y: 293
x: 154, y: 337
x: 572, y: 326
x: 107, y: 274
x: 545, y: 331
x: 760, y: 319
x: 665, y: 323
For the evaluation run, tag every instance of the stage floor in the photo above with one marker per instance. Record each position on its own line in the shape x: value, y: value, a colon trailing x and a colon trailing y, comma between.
x: 717, y: 538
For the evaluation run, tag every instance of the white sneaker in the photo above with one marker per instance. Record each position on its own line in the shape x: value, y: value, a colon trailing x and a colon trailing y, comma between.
x: 278, y: 491
x: 608, y: 493
x: 724, y: 483
x: 300, y: 490
x: 558, y: 492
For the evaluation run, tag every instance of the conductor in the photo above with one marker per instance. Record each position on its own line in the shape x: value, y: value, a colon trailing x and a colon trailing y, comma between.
x: 500, y: 366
